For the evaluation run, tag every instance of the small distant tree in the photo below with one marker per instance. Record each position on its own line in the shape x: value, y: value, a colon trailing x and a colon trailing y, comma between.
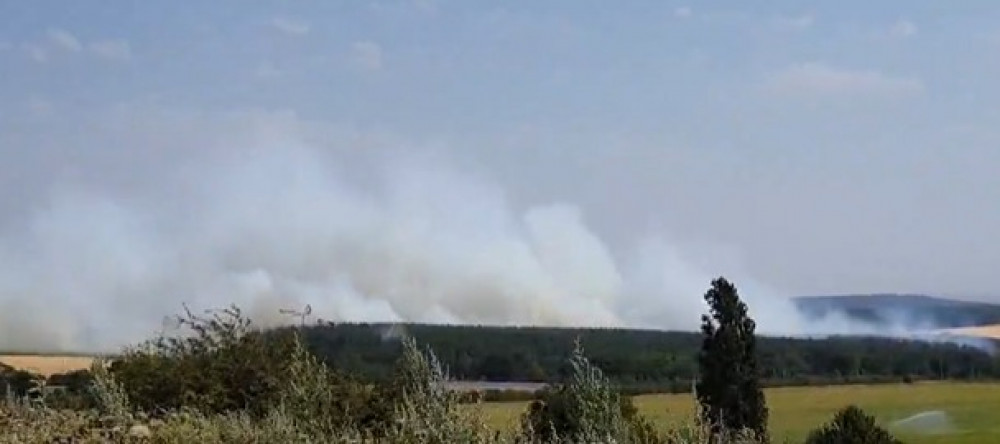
x: 851, y: 425
x: 728, y: 388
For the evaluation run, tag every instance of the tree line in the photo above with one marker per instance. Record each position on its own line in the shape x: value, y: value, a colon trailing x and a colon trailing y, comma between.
x: 641, y: 359
x: 636, y: 360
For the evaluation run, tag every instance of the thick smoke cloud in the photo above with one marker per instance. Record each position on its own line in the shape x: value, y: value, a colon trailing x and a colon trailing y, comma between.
x: 279, y: 221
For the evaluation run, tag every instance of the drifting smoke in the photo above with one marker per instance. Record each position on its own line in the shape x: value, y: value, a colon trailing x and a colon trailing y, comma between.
x: 284, y: 225
x: 278, y: 228
x: 393, y: 332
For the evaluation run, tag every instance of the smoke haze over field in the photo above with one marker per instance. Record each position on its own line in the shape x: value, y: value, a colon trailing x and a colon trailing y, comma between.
x: 259, y: 216
x: 445, y: 161
x: 278, y: 224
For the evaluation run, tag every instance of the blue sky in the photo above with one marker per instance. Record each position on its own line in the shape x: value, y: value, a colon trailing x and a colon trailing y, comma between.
x: 825, y: 147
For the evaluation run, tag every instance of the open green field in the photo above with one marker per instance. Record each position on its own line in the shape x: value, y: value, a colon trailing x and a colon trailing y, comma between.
x: 973, y: 409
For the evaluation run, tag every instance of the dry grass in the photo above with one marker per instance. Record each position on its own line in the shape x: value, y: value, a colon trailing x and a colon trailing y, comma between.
x: 47, y: 365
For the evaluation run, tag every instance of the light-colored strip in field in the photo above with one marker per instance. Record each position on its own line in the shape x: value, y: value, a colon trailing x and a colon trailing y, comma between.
x: 47, y: 365
x: 467, y: 386
x: 985, y: 331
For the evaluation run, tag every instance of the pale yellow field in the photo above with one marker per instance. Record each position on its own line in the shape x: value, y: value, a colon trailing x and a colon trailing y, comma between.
x: 985, y: 331
x: 47, y: 365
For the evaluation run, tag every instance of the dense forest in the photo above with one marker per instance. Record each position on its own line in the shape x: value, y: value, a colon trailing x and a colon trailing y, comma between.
x: 643, y: 359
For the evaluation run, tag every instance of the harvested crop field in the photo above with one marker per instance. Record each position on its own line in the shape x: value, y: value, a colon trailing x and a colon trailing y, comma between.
x: 47, y: 365
x: 984, y: 331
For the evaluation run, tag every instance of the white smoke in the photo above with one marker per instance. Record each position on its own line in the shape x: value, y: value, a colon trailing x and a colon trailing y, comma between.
x: 279, y: 223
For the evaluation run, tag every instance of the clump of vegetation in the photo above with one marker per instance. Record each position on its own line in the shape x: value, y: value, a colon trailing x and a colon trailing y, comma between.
x: 424, y: 410
x: 585, y: 408
x: 226, y: 381
x: 851, y: 425
x: 17, y: 383
x: 221, y: 363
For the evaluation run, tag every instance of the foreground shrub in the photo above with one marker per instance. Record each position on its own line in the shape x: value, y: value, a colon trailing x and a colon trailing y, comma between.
x: 17, y: 383
x: 851, y: 425
x: 697, y: 432
x: 424, y: 410
x: 72, y: 390
x: 23, y: 424
x: 323, y: 402
x: 221, y: 364
x: 309, y: 408
x: 584, y: 409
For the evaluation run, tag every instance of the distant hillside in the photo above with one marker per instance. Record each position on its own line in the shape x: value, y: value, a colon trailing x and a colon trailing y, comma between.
x: 908, y: 309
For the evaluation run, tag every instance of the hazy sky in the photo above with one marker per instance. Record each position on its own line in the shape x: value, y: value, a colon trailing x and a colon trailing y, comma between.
x: 824, y: 147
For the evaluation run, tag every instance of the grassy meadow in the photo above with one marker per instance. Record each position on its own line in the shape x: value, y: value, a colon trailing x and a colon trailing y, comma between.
x: 973, y: 409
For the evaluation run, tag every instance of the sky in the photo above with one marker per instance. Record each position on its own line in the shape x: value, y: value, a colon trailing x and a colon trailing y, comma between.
x: 806, y: 147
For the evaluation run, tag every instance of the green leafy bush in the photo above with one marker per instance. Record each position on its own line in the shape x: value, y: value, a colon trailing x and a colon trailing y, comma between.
x: 586, y: 408
x: 851, y: 425
x: 424, y: 410
x: 222, y: 364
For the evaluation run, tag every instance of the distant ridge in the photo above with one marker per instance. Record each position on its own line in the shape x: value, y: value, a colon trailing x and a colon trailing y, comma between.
x: 911, y: 309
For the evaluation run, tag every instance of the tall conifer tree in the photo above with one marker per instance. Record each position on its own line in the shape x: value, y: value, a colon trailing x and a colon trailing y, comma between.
x: 728, y: 387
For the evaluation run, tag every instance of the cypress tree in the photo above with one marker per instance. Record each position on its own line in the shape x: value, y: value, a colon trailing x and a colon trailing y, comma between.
x: 728, y: 387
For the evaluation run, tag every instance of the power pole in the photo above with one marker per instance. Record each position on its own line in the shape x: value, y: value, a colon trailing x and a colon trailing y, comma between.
x: 300, y: 314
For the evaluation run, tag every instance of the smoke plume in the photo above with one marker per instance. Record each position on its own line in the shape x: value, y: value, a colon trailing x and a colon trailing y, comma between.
x: 278, y: 223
